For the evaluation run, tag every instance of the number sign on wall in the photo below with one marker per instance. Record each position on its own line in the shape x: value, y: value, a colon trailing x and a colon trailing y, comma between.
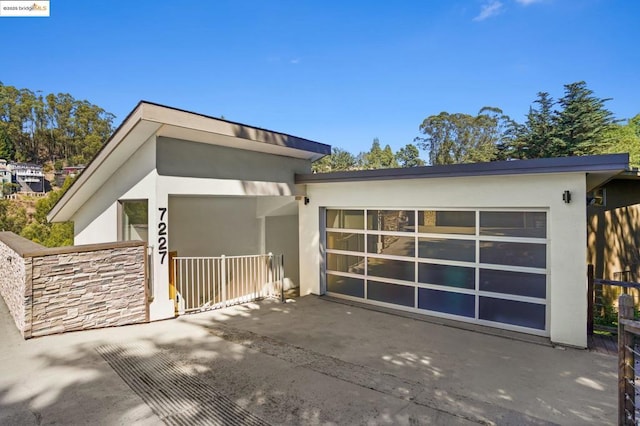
x: 162, y: 235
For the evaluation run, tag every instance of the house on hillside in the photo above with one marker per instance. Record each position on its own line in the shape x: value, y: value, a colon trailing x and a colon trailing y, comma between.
x: 68, y: 171
x: 28, y: 177
x: 499, y: 244
x: 5, y: 177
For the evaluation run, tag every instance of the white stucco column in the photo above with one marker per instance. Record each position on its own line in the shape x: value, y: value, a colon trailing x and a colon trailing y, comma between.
x: 162, y: 306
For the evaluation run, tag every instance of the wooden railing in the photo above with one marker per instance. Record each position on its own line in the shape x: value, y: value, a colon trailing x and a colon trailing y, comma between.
x: 628, y: 360
x: 601, y: 298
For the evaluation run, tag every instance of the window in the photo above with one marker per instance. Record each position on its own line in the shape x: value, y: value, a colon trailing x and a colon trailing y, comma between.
x: 485, y: 266
x: 134, y: 220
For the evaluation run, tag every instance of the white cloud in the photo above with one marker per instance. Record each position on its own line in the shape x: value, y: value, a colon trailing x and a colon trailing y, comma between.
x: 490, y: 9
x: 295, y: 61
x: 528, y: 2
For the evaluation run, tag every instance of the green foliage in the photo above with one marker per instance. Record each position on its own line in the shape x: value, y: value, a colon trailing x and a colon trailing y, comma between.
x: 12, y: 217
x: 15, y: 219
x: 39, y: 128
x: 537, y: 137
x: 7, y: 150
x: 339, y: 160
x: 581, y: 125
x: 624, y: 138
x: 576, y: 124
x: 50, y: 235
x: 581, y: 122
x: 377, y: 157
x: 409, y: 156
x: 463, y: 138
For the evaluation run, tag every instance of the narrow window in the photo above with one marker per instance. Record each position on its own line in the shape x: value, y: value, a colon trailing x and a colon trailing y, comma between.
x: 134, y: 220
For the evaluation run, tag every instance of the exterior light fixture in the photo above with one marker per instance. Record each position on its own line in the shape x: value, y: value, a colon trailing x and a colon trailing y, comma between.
x: 566, y: 196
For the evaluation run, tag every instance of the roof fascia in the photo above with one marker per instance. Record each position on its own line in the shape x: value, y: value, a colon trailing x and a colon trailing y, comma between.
x: 597, y: 163
x: 134, y: 117
x: 193, y: 121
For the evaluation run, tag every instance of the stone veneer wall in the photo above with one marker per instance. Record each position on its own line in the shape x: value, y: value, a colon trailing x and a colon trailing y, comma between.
x: 74, y: 288
x: 12, y: 282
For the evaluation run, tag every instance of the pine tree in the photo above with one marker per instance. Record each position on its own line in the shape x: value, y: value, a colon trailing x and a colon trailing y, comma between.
x: 582, y: 121
x: 537, y: 137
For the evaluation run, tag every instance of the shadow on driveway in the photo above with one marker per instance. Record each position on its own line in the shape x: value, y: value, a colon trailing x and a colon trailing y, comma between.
x: 311, y: 361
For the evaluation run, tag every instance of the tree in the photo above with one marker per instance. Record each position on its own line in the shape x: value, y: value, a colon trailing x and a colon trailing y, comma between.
x: 377, y: 157
x: 339, y: 160
x: 463, y: 138
x: 409, y: 156
x: 45, y: 233
x: 582, y: 121
x: 13, y: 218
x: 537, y: 137
x: 6, y: 146
x: 38, y: 128
x: 624, y: 138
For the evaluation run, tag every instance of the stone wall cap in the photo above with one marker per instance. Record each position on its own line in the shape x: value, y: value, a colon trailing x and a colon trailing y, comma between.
x: 27, y: 248
x: 19, y: 244
x: 84, y: 248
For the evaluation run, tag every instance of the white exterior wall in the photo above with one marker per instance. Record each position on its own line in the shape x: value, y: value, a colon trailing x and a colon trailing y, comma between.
x: 566, y: 233
x: 97, y: 220
x: 214, y: 226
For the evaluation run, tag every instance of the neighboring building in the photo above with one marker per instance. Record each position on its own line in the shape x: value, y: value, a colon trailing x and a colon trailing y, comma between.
x: 69, y: 171
x: 499, y: 244
x: 5, y: 176
x: 614, y: 228
x: 29, y: 177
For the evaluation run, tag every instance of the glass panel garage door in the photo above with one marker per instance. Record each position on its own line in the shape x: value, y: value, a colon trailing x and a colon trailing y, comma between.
x: 483, y: 266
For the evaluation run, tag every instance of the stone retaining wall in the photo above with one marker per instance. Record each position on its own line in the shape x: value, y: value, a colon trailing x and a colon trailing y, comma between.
x: 56, y: 290
x: 12, y: 282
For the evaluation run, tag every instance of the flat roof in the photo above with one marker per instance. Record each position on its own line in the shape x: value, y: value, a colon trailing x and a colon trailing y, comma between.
x: 597, y: 164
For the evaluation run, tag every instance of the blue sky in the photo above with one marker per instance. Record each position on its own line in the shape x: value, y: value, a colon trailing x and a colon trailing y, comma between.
x: 338, y: 72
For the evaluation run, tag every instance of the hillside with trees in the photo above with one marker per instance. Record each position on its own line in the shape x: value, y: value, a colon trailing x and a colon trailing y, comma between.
x: 53, y: 130
x: 40, y: 128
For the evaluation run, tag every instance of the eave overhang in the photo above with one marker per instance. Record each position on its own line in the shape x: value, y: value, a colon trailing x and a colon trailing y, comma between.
x: 598, y: 168
x: 149, y: 119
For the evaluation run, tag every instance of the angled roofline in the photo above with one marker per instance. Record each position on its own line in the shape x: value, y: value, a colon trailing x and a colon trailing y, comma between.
x: 291, y: 140
x: 591, y: 163
x: 148, y: 117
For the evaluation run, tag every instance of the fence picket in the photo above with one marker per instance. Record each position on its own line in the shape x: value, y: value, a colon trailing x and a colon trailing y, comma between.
x: 212, y: 282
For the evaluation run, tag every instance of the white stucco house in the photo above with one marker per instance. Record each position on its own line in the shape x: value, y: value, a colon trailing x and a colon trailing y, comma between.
x: 500, y: 244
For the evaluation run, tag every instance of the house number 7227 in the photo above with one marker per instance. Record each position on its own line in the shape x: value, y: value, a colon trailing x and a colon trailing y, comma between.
x: 162, y: 235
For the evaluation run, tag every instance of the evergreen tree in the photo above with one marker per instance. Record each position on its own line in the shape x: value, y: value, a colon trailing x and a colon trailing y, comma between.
x: 537, y: 137
x: 581, y: 122
x: 409, y: 156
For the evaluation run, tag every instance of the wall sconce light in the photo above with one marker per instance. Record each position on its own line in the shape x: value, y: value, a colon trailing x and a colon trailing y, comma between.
x: 566, y: 196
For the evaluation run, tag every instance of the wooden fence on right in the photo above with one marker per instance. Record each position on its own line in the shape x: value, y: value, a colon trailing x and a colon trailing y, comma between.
x: 628, y: 362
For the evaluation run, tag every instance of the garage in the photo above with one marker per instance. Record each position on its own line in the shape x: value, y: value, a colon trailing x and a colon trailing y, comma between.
x: 500, y: 244
x: 483, y: 266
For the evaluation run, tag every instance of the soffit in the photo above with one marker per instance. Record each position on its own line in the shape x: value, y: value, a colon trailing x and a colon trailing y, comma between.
x: 148, y: 120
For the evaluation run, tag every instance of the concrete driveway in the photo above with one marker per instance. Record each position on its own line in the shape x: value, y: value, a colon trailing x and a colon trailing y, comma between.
x: 311, y: 361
